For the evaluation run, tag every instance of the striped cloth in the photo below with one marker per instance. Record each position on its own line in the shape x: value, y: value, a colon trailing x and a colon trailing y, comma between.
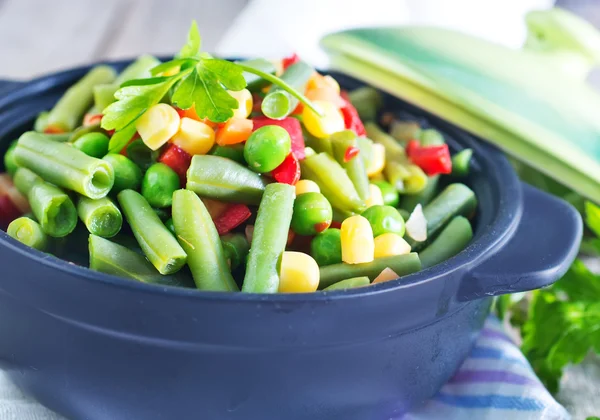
x: 495, y: 383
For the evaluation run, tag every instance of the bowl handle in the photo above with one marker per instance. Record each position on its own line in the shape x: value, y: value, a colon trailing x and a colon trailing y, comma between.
x: 543, y: 247
x: 8, y: 85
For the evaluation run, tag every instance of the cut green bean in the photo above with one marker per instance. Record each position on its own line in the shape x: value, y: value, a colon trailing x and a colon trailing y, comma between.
x: 278, y: 103
x: 431, y: 137
x: 225, y: 180
x: 409, y: 202
x: 234, y: 152
x: 111, y: 258
x: 404, y: 131
x: 236, y: 248
x: 367, y: 102
x: 158, y: 244
x: 10, y: 165
x: 101, y: 217
x: 406, y: 177
x: 104, y: 94
x: 67, y: 113
x: 455, y: 200
x: 452, y: 240
x: 28, y: 232
x: 401, y: 264
x: 349, y: 284
x: 461, y: 163
x: 343, y: 142
x: 333, y: 182
x: 93, y: 144
x: 269, y: 239
x: 41, y: 122
x: 51, y: 206
x: 255, y: 82
x: 198, y: 236
x: 319, y: 145
x: 64, y: 165
x: 85, y: 129
x: 170, y: 225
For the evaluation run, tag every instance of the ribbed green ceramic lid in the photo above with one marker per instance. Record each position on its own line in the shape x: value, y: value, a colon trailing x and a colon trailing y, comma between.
x: 533, y: 103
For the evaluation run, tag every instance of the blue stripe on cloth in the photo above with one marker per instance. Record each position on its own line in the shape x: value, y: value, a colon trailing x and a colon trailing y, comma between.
x: 504, y: 402
x: 480, y: 352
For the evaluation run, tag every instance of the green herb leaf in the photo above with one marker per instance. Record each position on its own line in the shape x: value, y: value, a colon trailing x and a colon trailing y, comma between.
x: 206, y: 89
x: 182, y: 63
x: 192, y: 48
x: 592, y: 217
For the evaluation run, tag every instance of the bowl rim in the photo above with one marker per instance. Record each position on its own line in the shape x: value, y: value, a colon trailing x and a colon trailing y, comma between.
x: 506, y: 220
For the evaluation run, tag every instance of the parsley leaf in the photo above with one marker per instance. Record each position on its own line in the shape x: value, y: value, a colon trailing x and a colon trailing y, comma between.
x: 192, y: 48
x: 206, y: 89
x: 592, y: 217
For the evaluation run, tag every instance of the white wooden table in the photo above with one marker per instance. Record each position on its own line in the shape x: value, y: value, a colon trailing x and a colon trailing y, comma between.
x: 41, y: 36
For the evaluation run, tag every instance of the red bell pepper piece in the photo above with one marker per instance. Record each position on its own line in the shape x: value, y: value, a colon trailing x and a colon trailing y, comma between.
x: 351, y: 118
x: 351, y: 153
x: 178, y: 160
x: 8, y: 212
x: 432, y: 159
x: 288, y: 172
x: 53, y: 130
x: 235, y: 215
x: 293, y: 127
x: 335, y: 225
x: 288, y: 61
x: 91, y: 119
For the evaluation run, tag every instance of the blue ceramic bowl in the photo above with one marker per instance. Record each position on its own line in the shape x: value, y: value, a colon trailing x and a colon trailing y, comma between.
x: 97, y: 347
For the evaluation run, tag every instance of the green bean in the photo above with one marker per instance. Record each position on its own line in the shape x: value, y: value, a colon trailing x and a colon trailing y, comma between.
x: 355, y: 166
x: 10, y: 165
x: 53, y: 209
x: 367, y: 102
x: 85, y: 129
x: 234, y: 152
x: 393, y: 149
x: 461, y: 163
x: 127, y: 175
x: 389, y: 193
x: 28, y: 232
x: 349, y: 283
x: 269, y: 239
x: 404, y: 131
x: 431, y: 137
x: 170, y: 225
x: 455, y: 200
x: 278, y: 103
x: 41, y: 122
x: 93, y: 144
x: 401, y: 264
x: 59, y: 137
x: 112, y: 258
x: 198, y: 236
x: 236, y: 248
x: 409, y: 202
x: 101, y: 217
x: 405, y: 215
x: 224, y: 180
x: 142, y: 155
x: 64, y: 165
x: 104, y: 94
x: 254, y: 82
x: 158, y: 244
x: 407, y: 178
x: 67, y: 113
x: 452, y: 240
x: 319, y: 145
x: 333, y: 182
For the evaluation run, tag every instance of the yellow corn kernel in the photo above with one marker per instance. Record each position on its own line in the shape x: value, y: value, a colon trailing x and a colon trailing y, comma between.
x: 244, y: 98
x: 157, y: 125
x: 299, y: 273
x: 386, y: 275
x: 194, y: 137
x: 390, y: 244
x: 330, y: 122
x: 358, y: 245
x: 377, y: 163
x: 306, y: 186
x: 375, y: 196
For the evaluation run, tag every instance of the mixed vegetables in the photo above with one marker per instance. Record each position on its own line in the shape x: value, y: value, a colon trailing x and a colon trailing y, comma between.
x: 260, y: 176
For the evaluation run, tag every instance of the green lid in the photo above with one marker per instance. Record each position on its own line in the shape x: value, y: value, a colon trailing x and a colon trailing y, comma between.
x: 533, y: 103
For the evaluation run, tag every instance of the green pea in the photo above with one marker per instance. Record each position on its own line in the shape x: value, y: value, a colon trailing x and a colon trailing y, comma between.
x: 128, y: 176
x: 267, y: 148
x: 390, y: 194
x: 93, y: 144
x: 159, y: 184
x: 312, y: 214
x: 9, y: 159
x: 326, y: 247
x: 141, y: 154
x: 384, y: 219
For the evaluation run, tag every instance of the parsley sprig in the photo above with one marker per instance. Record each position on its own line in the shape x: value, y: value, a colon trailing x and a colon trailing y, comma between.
x: 194, y: 79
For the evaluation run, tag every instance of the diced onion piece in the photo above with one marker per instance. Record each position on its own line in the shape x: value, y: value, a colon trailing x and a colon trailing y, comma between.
x: 157, y: 125
x: 386, y: 275
x: 416, y: 225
